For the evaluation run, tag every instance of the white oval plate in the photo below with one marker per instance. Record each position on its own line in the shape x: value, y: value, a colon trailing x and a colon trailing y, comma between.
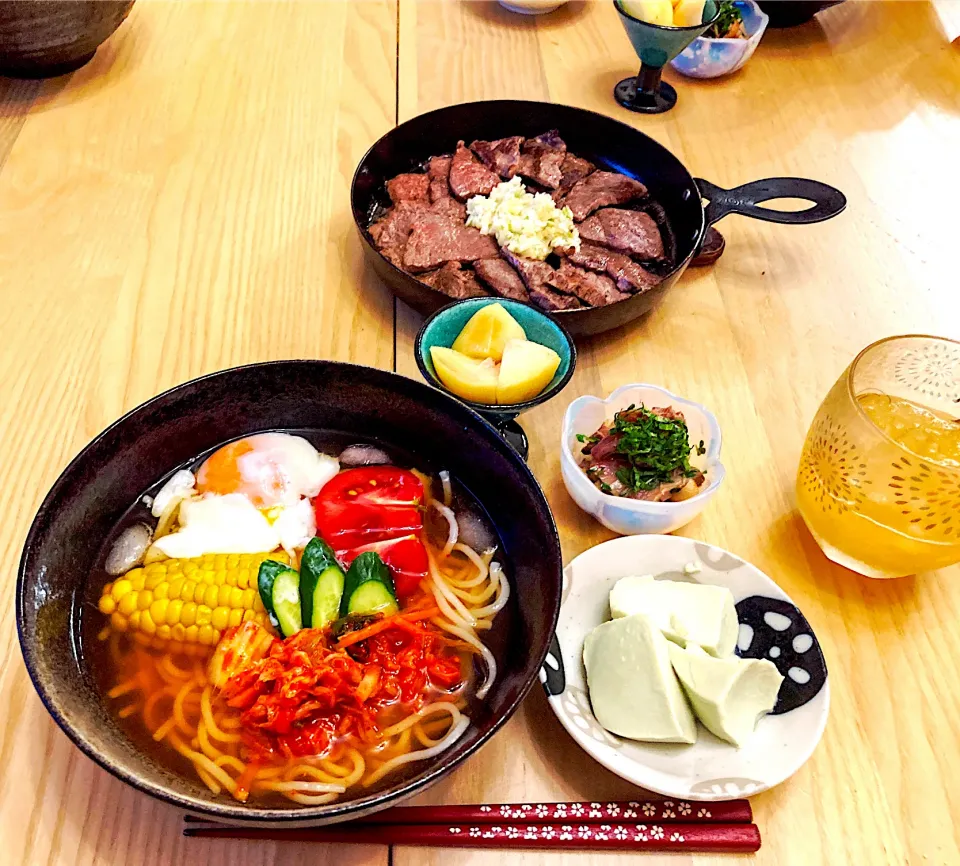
x: 710, y: 769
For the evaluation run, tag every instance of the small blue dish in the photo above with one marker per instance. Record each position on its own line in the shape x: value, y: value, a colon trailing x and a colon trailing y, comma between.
x: 712, y: 58
x: 443, y: 327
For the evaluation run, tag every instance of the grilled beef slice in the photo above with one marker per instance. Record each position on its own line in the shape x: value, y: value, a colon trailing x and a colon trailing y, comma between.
x: 435, y: 238
x: 450, y: 207
x: 468, y: 176
x: 500, y: 156
x: 574, y: 169
x: 550, y: 138
x: 597, y: 290
x: 454, y: 282
x: 536, y: 277
x: 502, y: 278
x: 628, y: 231
x: 438, y: 169
x: 391, y: 231
x: 408, y: 187
x: 629, y: 276
x: 599, y: 189
x: 542, y: 159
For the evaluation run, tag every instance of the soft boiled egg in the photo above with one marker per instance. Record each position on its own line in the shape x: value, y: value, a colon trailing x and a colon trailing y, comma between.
x: 250, y: 496
x: 269, y: 469
x: 231, y: 523
x: 219, y: 524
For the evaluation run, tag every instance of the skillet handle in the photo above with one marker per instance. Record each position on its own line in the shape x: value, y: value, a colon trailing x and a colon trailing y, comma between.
x: 745, y: 200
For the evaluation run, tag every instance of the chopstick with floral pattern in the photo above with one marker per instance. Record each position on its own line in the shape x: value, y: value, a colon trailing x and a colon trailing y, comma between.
x: 739, y: 838
x: 657, y: 810
x: 653, y: 824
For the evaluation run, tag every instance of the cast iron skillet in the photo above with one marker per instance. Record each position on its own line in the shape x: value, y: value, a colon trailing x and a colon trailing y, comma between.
x: 146, y: 445
x: 605, y: 142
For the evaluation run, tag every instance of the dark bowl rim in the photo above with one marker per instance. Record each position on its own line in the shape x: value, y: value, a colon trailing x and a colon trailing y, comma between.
x: 229, y: 811
x: 360, y: 219
x: 496, y: 408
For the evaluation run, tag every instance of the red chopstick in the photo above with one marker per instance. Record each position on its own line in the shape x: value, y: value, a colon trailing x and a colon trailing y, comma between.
x: 737, y: 838
x: 659, y: 810
x: 654, y: 824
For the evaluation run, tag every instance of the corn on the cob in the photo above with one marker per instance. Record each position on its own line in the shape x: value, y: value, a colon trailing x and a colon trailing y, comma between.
x: 188, y: 600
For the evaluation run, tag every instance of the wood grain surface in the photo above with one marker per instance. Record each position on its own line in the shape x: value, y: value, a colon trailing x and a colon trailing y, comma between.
x: 180, y: 205
x: 865, y: 98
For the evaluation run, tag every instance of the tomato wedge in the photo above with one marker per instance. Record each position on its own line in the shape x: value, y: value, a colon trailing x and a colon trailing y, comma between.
x: 368, y: 504
x: 406, y: 557
x: 373, y: 485
x: 376, y: 508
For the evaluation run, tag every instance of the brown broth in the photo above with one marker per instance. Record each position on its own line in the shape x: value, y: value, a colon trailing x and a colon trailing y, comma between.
x: 105, y: 673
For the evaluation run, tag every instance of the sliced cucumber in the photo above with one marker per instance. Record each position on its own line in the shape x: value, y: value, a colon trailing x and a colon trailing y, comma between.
x: 321, y: 584
x: 278, y: 584
x: 269, y: 569
x: 373, y: 597
x: 368, y: 587
x: 286, y: 601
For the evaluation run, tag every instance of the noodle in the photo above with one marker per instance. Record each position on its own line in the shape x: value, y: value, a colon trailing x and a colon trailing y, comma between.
x: 208, y: 780
x: 230, y: 761
x: 123, y: 688
x: 211, y: 724
x: 451, y: 519
x: 151, y: 705
x: 203, y: 762
x: 503, y: 594
x: 304, y: 800
x: 452, y: 607
x: 473, y: 556
x: 491, y: 663
x: 178, y: 703
x: 169, y: 670
x: 166, y: 686
x: 164, y: 729
x: 205, y: 745
x: 354, y: 774
x: 452, y: 736
x: 306, y: 787
x: 429, y: 709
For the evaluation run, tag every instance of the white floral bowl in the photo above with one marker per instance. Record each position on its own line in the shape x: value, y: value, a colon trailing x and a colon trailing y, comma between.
x: 771, y: 627
x: 631, y: 516
x: 711, y: 58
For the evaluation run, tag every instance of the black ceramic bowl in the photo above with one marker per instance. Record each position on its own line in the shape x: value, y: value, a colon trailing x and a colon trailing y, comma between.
x: 43, y: 38
x: 790, y: 13
x: 359, y: 403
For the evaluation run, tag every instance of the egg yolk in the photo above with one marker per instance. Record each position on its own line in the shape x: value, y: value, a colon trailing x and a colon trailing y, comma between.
x: 221, y: 473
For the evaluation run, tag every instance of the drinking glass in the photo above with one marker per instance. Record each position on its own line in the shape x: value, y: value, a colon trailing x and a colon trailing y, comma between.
x: 879, y: 478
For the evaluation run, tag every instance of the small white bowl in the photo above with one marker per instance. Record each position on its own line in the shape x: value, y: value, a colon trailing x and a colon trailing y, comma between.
x: 632, y: 516
x: 771, y: 627
x: 531, y: 7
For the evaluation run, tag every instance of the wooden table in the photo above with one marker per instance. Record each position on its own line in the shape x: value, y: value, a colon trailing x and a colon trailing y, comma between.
x: 180, y: 205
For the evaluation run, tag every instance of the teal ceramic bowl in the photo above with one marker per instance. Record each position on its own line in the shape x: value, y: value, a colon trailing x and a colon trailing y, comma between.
x: 443, y: 327
x: 657, y: 44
